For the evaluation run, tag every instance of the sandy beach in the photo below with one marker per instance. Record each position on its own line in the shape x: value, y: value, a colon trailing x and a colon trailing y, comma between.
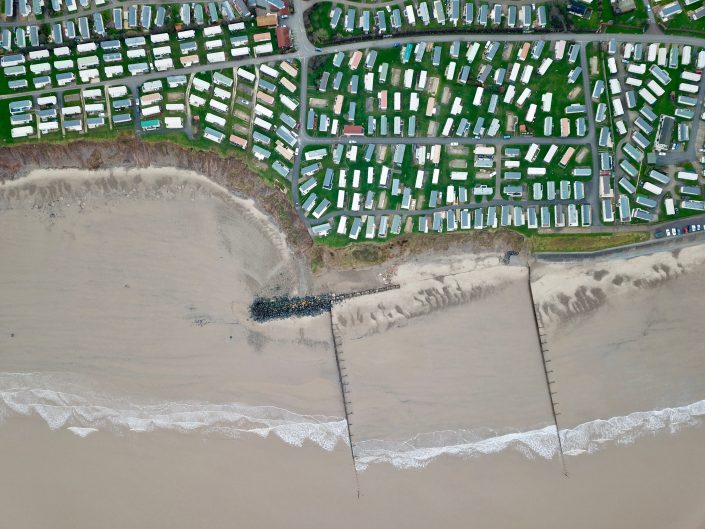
x: 444, y: 361
x: 625, y: 333
x: 132, y: 295
x: 167, y: 480
x: 135, y: 391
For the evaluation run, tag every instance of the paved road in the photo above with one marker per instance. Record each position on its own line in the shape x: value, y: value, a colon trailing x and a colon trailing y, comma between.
x: 591, y: 138
x: 140, y: 79
x: 384, y: 3
x: 593, y: 189
x: 307, y: 50
x: 442, y: 140
x: 516, y: 37
x: 654, y: 28
x: 690, y: 154
x: 302, y: 125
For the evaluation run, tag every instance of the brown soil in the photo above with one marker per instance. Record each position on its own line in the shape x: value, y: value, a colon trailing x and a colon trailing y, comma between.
x: 362, y: 255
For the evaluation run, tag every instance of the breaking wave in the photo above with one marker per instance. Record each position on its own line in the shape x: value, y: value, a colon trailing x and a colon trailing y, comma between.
x: 88, y: 412
x: 584, y: 438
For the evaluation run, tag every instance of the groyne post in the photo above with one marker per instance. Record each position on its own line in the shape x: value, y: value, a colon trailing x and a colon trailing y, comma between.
x: 266, y: 309
x: 337, y: 342
x: 543, y: 348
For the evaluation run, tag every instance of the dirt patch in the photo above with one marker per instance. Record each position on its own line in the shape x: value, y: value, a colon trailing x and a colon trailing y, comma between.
x: 575, y: 92
x: 458, y: 150
x: 507, y: 52
x: 594, y: 66
x: 382, y: 200
x: 432, y: 86
x: 432, y: 128
x: 244, y: 116
x: 241, y: 129
x: 582, y: 154
x: 361, y: 255
x: 445, y: 96
x: 317, y: 102
x: 381, y: 153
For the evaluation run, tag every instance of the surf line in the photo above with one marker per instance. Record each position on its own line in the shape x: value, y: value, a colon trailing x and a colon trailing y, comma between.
x: 541, y: 337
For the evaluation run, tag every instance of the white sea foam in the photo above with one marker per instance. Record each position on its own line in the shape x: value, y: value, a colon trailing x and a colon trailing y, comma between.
x: 79, y: 412
x: 85, y: 412
x: 419, y: 451
x: 82, y: 432
x: 585, y: 438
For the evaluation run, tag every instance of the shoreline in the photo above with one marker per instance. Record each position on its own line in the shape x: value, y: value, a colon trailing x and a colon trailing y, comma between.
x: 429, y: 283
x: 129, y: 355
x: 162, y: 480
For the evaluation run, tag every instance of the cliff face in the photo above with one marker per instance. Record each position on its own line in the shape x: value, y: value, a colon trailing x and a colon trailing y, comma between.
x: 235, y: 176
x: 230, y: 172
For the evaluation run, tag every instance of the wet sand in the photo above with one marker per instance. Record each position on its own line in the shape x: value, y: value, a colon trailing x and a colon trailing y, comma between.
x: 455, y: 358
x: 624, y: 335
x: 136, y: 392
x: 131, y: 291
x: 167, y: 480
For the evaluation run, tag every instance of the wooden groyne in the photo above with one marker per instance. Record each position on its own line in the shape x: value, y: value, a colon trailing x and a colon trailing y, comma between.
x: 543, y: 348
x: 338, y: 298
x: 337, y: 344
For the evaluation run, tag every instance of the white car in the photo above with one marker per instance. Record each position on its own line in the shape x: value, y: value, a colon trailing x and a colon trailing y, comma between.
x: 668, y: 232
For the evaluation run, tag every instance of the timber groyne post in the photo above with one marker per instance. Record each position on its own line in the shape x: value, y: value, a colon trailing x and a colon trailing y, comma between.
x: 543, y: 348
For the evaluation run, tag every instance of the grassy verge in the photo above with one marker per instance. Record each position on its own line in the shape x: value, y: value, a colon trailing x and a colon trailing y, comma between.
x: 346, y: 254
x: 584, y: 242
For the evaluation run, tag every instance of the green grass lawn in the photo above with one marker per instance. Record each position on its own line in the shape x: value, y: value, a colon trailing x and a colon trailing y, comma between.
x: 681, y: 24
x: 584, y: 243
